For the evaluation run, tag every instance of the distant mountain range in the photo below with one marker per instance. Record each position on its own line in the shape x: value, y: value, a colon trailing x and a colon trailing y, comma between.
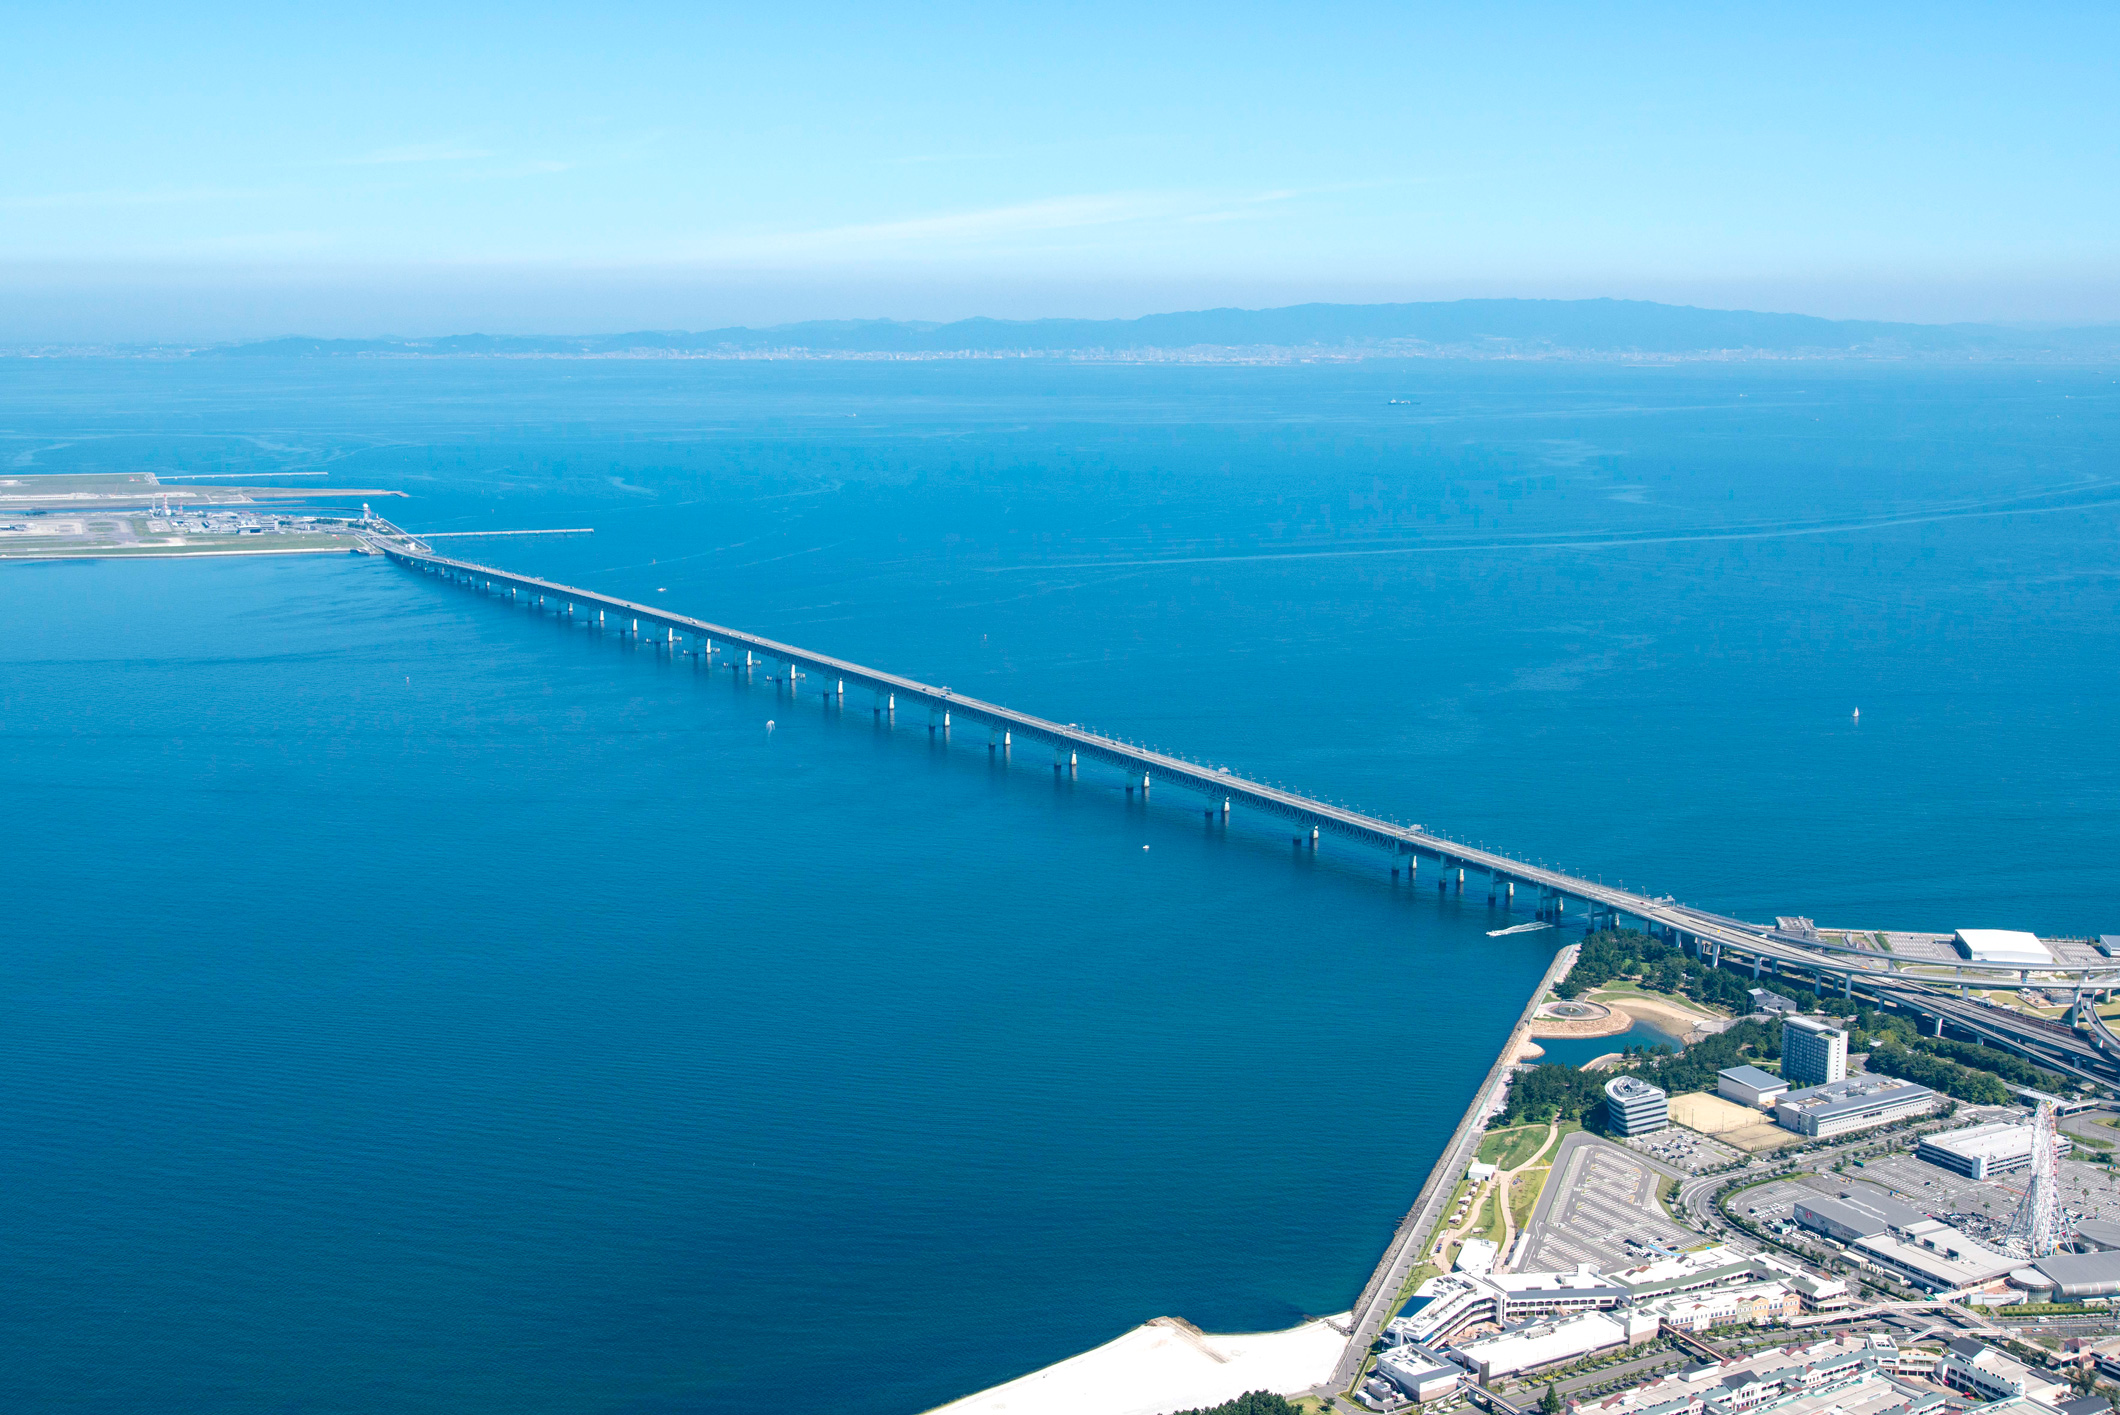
x: 1453, y: 329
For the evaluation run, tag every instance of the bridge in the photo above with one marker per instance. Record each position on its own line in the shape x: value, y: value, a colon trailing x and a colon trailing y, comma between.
x: 1409, y: 847
x: 2091, y: 1052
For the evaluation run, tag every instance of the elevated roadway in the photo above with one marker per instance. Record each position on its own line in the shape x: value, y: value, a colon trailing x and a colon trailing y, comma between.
x: 1408, y: 845
x: 2092, y: 1054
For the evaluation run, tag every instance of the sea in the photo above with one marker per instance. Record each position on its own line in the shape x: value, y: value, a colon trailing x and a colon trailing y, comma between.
x: 412, y: 1002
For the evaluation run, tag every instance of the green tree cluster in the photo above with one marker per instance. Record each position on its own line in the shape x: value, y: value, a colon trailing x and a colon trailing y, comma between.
x: 1254, y: 1402
x: 1962, y: 1082
x: 1555, y: 1090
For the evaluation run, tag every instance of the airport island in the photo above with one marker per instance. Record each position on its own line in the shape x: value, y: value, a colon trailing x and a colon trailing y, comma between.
x: 1820, y: 1169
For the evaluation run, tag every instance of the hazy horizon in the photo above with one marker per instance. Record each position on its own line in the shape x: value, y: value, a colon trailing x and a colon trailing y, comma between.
x: 251, y: 173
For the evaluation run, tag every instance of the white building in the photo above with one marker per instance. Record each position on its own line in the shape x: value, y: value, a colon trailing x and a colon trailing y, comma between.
x: 1476, y: 1255
x: 1851, y: 1374
x: 1935, y: 1257
x: 1818, y: 1294
x: 1752, y: 1303
x: 1544, y: 1343
x: 1853, y: 1104
x: 1748, y: 1085
x: 1634, y: 1107
x: 1444, y: 1305
x: 1978, y: 1369
x: 1419, y: 1373
x: 2003, y: 946
x: 1685, y: 1272
x: 1980, y: 1151
x: 1813, y: 1053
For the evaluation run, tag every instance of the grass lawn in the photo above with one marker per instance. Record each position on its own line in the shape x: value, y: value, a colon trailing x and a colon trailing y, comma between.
x: 1511, y: 1147
x: 1488, y: 1221
x: 1523, y: 1194
x: 1621, y: 987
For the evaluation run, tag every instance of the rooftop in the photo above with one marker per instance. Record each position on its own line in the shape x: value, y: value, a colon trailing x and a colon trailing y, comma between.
x: 1998, y: 1139
x: 1854, y: 1094
x: 1631, y: 1088
x: 1751, y: 1076
x: 2003, y: 946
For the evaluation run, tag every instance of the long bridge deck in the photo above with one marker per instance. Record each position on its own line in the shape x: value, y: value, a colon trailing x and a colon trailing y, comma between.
x: 2093, y: 1053
x: 1409, y: 844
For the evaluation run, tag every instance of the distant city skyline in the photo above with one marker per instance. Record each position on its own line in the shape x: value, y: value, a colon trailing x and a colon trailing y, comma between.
x: 245, y: 172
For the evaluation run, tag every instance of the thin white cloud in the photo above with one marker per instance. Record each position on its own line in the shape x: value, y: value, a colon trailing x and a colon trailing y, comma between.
x: 961, y: 229
x: 155, y: 196
x: 419, y: 152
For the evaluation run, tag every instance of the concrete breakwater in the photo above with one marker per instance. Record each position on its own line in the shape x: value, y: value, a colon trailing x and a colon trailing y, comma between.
x: 1400, y: 1258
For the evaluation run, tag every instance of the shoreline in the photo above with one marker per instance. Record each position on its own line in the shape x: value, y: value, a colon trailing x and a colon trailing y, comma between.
x: 1168, y: 1364
x: 1163, y: 1365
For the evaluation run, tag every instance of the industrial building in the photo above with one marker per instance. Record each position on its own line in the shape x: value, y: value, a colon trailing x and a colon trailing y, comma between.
x: 1905, y: 1242
x: 1982, y: 1151
x: 1855, y: 1215
x: 1418, y: 1373
x: 1634, y: 1107
x: 2002, y: 946
x: 1748, y: 1085
x: 1935, y: 1257
x: 2071, y: 1277
x: 1856, y: 1104
x: 1543, y: 1343
x: 1813, y: 1053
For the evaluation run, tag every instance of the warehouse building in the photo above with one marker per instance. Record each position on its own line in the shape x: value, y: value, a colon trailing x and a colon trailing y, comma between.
x: 1748, y: 1085
x: 1855, y: 1215
x: 2002, y: 946
x: 1935, y: 1257
x: 1855, y: 1104
x: 2075, y: 1276
x: 1982, y: 1151
x: 1544, y: 1343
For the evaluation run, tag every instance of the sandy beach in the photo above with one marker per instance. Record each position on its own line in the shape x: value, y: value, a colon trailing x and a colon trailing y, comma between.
x: 1166, y: 1365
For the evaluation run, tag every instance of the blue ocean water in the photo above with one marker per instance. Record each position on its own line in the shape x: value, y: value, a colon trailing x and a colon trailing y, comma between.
x: 1576, y: 1051
x: 410, y: 1003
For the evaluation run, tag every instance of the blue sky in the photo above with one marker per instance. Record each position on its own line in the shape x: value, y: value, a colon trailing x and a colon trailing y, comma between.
x: 211, y: 171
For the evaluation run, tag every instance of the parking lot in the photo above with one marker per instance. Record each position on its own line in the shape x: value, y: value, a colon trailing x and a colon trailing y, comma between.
x: 1600, y: 1207
x: 1675, y: 1147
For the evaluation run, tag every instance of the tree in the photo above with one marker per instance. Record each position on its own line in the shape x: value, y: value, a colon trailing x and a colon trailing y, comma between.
x: 1550, y: 1402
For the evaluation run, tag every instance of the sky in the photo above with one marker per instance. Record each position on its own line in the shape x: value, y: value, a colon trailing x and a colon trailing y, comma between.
x: 220, y: 171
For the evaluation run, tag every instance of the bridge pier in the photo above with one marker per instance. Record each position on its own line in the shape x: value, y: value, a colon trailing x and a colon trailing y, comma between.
x: 1313, y: 837
x: 1144, y: 786
x: 1225, y: 808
